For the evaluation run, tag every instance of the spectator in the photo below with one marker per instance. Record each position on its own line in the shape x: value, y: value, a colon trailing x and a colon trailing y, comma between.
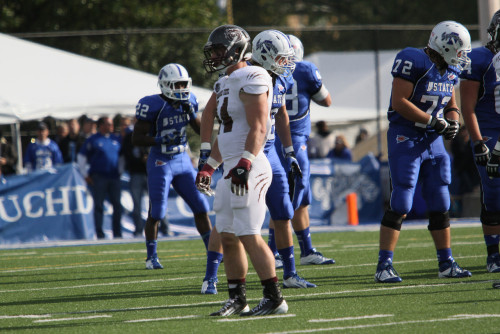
x: 89, y: 127
x: 42, y: 153
x: 362, y: 135
x: 340, y: 150
x: 136, y: 158
x: 322, y: 142
x: 62, y: 131
x: 102, y: 152
x: 71, y: 144
x: 8, y: 157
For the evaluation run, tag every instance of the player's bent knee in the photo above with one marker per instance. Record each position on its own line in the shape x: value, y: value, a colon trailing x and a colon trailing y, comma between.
x: 392, y: 220
x: 490, y: 218
x: 438, y: 221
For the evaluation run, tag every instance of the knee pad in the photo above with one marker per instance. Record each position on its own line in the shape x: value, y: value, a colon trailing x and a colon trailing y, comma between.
x: 438, y: 220
x: 392, y: 220
x: 490, y: 218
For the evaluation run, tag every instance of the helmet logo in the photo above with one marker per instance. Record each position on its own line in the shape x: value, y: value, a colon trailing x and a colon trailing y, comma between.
x: 266, y: 46
x: 232, y: 35
x: 452, y: 38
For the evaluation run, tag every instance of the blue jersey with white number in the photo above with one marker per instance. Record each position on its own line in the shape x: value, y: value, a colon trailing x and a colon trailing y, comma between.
x: 431, y: 91
x: 42, y: 155
x: 482, y: 70
x: 306, y: 82
x: 166, y: 121
x: 280, y: 88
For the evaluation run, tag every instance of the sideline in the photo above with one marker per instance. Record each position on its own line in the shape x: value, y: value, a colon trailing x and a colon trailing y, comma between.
x: 411, y: 224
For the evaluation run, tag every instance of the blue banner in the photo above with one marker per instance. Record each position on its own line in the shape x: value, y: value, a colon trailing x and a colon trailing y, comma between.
x: 57, y: 205
x: 332, y: 180
x: 46, y: 205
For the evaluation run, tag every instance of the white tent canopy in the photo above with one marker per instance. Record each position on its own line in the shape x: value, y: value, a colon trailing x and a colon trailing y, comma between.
x: 39, y: 81
x: 350, y: 77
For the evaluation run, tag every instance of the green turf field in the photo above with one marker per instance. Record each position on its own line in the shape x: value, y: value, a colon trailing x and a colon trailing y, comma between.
x: 105, y: 289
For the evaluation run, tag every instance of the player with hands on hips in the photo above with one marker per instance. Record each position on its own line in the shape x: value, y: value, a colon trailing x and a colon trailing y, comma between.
x: 162, y: 120
x: 422, y: 93
x: 479, y: 102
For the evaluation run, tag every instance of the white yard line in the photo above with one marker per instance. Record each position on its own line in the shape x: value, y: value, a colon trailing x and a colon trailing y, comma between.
x: 73, y: 318
x: 353, y: 318
x: 457, y: 317
x: 256, y: 318
x: 164, y: 319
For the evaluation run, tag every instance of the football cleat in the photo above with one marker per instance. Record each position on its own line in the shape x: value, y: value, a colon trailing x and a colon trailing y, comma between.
x: 315, y: 258
x: 153, y: 263
x: 493, y: 263
x: 267, y: 306
x: 232, y: 306
x: 209, y: 287
x: 296, y: 281
x: 451, y: 269
x: 278, y: 262
x: 386, y: 273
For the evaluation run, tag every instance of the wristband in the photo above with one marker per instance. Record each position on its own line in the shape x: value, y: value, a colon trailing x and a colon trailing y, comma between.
x: 497, y: 146
x: 451, y: 109
x: 288, y: 149
x: 249, y: 156
x: 213, y: 163
x: 430, y: 120
x: 205, y: 146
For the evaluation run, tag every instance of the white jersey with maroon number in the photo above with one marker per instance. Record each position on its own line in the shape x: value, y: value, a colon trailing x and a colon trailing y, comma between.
x: 230, y: 110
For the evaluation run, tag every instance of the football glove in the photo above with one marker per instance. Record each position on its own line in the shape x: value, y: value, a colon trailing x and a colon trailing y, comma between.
x: 293, y: 164
x: 438, y: 124
x: 481, y: 153
x: 204, y: 180
x: 492, y: 165
x: 204, y: 154
x: 239, y: 177
x: 187, y: 107
x: 451, y: 131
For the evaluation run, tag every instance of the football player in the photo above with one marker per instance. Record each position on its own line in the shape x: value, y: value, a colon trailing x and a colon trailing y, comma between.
x: 243, y: 100
x: 307, y: 86
x: 479, y: 100
x: 273, y: 51
x: 162, y: 120
x: 422, y: 111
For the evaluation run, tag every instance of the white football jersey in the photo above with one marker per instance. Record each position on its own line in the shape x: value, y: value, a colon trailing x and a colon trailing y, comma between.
x: 230, y: 110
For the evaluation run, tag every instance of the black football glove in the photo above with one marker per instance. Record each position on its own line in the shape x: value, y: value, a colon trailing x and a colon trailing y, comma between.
x: 239, y: 177
x: 492, y: 165
x: 439, y: 125
x: 451, y: 131
x: 481, y: 153
x: 187, y: 107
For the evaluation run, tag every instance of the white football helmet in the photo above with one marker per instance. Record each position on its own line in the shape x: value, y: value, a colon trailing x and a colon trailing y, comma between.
x: 452, y: 41
x: 494, y: 31
x: 169, y: 76
x: 298, y: 48
x: 273, y: 50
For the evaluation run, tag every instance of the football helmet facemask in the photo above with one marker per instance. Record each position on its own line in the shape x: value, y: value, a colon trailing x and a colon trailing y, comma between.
x: 452, y: 41
x: 298, y: 48
x: 494, y: 31
x: 227, y: 45
x: 272, y: 49
x: 174, y: 82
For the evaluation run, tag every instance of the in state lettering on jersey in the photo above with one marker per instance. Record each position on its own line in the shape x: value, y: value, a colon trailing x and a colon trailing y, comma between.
x: 167, y: 121
x: 431, y: 92
x: 230, y: 109
x: 307, y: 82
x: 482, y: 70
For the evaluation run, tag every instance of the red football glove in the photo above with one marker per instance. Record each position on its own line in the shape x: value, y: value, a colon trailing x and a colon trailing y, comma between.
x: 204, y: 180
x: 239, y: 177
